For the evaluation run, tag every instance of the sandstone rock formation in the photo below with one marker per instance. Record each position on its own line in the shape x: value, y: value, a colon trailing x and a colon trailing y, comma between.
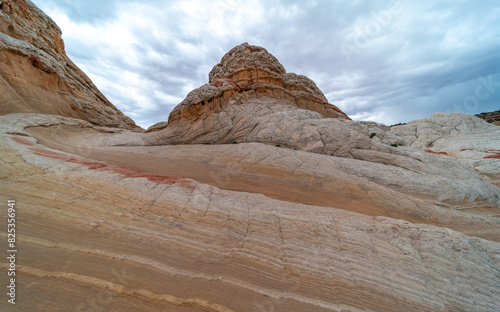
x: 246, y: 76
x: 36, y: 76
x: 309, y: 211
x: 467, y: 138
x: 448, y: 132
x: 98, y: 235
x: 219, y: 113
x: 491, y: 117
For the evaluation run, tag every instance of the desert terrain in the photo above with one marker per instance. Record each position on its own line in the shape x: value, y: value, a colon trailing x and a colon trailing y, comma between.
x: 255, y: 195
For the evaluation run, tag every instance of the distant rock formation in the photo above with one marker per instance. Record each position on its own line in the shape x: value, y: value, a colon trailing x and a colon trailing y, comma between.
x: 491, y: 117
x: 246, y: 76
x: 36, y: 76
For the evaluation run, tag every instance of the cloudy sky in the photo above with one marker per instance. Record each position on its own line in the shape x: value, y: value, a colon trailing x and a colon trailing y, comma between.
x: 385, y: 61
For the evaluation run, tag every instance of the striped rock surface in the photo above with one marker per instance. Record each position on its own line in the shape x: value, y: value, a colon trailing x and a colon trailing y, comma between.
x: 100, y: 233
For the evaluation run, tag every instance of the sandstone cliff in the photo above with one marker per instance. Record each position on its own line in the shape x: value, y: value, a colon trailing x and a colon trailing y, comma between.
x: 36, y: 76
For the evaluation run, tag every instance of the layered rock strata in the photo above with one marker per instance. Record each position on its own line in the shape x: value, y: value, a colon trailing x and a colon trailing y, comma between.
x: 491, y: 117
x: 247, y: 116
x: 244, y: 74
x: 100, y: 236
x: 36, y: 75
x: 467, y: 138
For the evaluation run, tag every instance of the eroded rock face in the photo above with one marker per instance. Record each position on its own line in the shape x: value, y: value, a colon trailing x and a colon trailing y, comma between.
x: 251, y: 98
x: 246, y: 65
x: 450, y: 131
x: 248, y: 73
x: 36, y: 76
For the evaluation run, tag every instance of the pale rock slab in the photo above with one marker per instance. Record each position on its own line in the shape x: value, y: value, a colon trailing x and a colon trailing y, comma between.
x: 467, y: 138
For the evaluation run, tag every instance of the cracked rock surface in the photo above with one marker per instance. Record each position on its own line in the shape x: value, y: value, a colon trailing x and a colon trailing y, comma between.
x: 469, y: 139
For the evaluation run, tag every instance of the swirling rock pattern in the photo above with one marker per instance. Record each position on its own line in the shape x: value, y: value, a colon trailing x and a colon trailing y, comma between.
x: 99, y: 236
x: 467, y: 138
x: 225, y: 112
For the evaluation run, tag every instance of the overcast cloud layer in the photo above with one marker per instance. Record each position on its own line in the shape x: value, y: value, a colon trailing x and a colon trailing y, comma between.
x: 383, y: 61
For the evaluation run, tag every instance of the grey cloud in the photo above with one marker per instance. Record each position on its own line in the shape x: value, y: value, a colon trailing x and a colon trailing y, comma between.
x: 85, y: 11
